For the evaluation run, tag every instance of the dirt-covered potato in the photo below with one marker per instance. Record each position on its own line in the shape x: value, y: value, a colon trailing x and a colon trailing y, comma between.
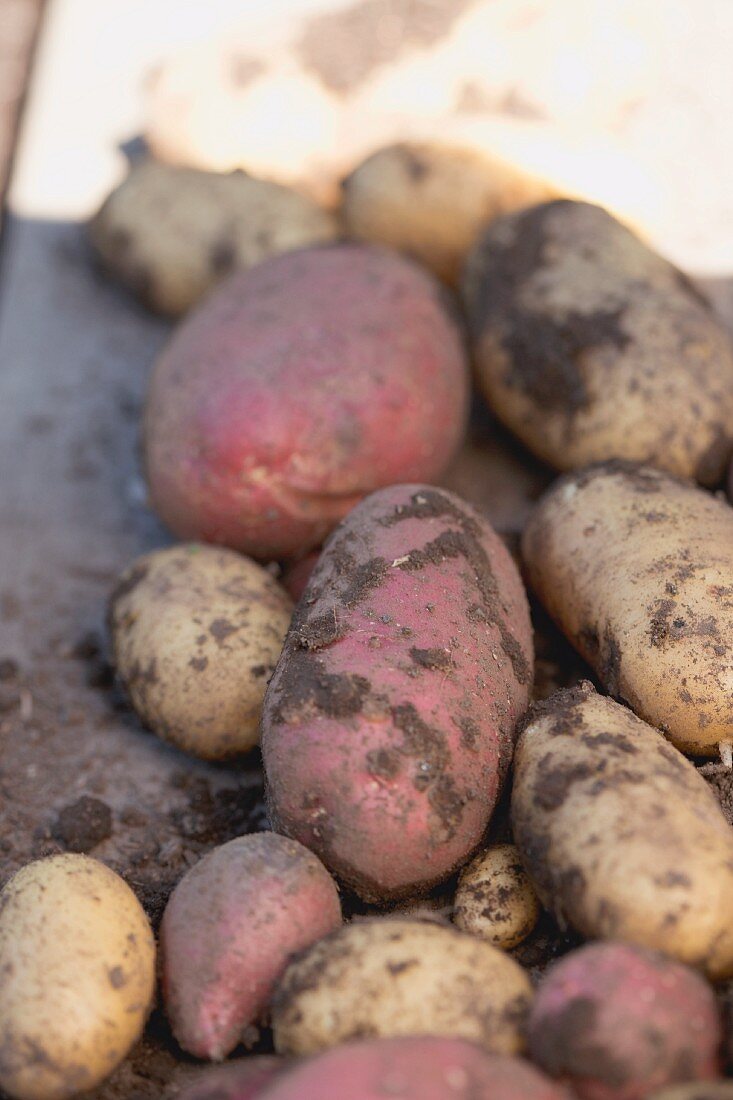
x: 196, y: 631
x: 616, y: 1022
x: 228, y: 931
x: 636, y: 567
x: 296, y: 389
x: 432, y: 200
x: 169, y: 234
x: 77, y: 958
x: 400, y: 977
x: 388, y: 726
x: 591, y: 347
x: 240, y: 1079
x: 620, y: 834
x: 495, y: 898
x: 412, y: 1068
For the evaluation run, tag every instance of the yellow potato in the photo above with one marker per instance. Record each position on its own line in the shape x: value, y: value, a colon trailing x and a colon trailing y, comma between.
x: 495, y: 899
x: 589, y: 347
x: 387, y: 977
x: 169, y: 234
x: 431, y: 200
x: 637, y: 569
x: 77, y: 959
x: 620, y: 834
x: 196, y: 632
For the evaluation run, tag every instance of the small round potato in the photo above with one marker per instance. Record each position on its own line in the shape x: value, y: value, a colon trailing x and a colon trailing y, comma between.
x: 496, y: 899
x: 77, y: 958
x: 196, y: 632
x: 169, y: 234
x: 432, y: 200
x: 590, y: 347
x: 400, y: 977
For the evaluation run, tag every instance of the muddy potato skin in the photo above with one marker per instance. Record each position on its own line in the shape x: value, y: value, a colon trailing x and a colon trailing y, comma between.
x: 621, y: 836
x: 77, y: 956
x: 169, y: 234
x: 495, y: 899
x: 591, y: 347
x: 298, y: 388
x: 388, y: 725
x: 616, y: 1022
x: 432, y: 200
x: 636, y: 568
x: 196, y: 632
x: 389, y: 977
x: 413, y: 1068
x: 230, y: 928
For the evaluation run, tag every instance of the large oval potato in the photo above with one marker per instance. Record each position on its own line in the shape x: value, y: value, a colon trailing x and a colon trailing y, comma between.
x: 232, y: 924
x: 196, y: 631
x: 169, y: 234
x: 77, y: 958
x: 431, y: 200
x: 590, y: 347
x: 637, y: 569
x: 388, y: 977
x: 388, y: 725
x: 296, y: 389
x: 412, y: 1068
x: 616, y: 1022
x: 620, y: 834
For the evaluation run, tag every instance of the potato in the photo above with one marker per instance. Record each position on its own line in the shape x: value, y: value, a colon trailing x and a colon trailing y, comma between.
x: 636, y: 568
x: 299, y: 387
x: 421, y: 1068
x: 388, y: 725
x: 241, y: 1079
x: 697, y: 1090
x: 384, y: 978
x: 495, y: 899
x: 77, y: 958
x: 620, y: 834
x: 616, y: 1022
x: 431, y: 200
x: 228, y: 931
x: 196, y: 631
x: 169, y: 234
x: 590, y: 347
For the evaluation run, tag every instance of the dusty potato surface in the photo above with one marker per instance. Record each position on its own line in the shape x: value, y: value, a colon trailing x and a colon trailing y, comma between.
x: 169, y: 234
x: 621, y: 836
x: 616, y: 1022
x: 298, y: 388
x: 495, y: 899
x: 637, y: 569
x: 385, y: 978
x: 431, y: 200
x: 77, y: 957
x: 388, y: 725
x: 230, y: 928
x: 591, y: 347
x: 196, y: 632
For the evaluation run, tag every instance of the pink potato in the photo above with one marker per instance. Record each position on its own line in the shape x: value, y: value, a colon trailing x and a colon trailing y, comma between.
x: 242, y: 1079
x: 296, y: 389
x: 424, y: 1068
x: 296, y: 575
x: 617, y: 1022
x: 389, y: 722
x: 229, y: 930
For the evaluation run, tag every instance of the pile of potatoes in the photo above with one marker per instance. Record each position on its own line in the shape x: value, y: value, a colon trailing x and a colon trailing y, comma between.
x: 431, y: 809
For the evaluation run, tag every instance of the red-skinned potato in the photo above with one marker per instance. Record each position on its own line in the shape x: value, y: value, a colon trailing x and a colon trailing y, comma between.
x: 419, y: 1068
x: 228, y: 931
x: 242, y: 1079
x: 296, y: 389
x: 388, y: 725
x: 617, y: 1022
